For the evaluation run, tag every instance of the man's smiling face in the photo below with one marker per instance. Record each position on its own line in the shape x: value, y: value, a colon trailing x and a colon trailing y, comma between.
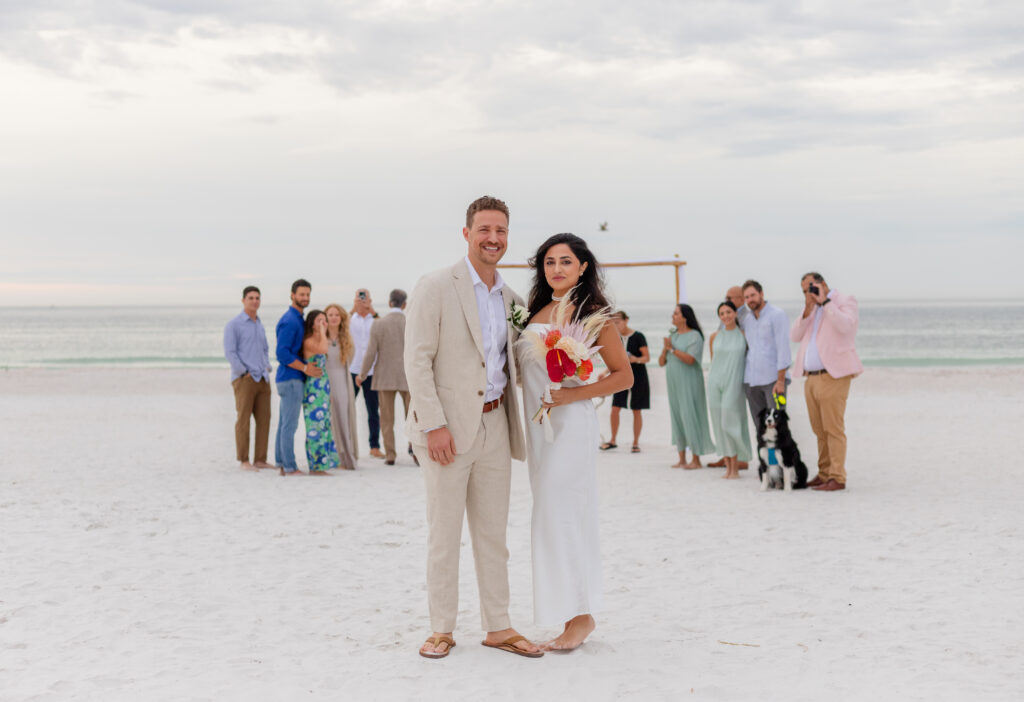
x: 487, y: 237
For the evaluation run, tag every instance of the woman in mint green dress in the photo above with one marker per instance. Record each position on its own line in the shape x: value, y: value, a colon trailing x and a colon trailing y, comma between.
x: 683, y: 352
x: 726, y: 399
x: 316, y: 403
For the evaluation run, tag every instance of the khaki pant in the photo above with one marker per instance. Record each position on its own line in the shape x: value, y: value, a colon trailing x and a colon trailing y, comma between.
x: 387, y: 418
x: 826, y: 407
x: 477, y: 485
x: 252, y: 399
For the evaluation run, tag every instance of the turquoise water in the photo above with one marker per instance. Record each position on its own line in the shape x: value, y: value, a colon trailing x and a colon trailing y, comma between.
x: 892, y: 333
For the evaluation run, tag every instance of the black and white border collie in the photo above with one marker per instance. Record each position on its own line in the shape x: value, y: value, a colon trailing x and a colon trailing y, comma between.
x: 780, y: 465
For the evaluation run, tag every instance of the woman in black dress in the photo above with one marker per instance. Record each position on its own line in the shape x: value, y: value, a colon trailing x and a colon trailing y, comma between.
x: 639, y: 396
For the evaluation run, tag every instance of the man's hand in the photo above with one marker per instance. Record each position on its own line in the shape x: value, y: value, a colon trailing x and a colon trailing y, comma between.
x: 780, y: 387
x: 809, y: 303
x: 441, y: 446
x: 359, y: 381
x: 312, y: 371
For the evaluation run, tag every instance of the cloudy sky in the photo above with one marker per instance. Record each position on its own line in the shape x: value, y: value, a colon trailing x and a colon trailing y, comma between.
x: 171, y: 152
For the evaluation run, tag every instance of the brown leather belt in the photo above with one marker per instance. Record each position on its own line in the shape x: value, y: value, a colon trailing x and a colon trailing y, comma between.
x: 493, y: 404
x: 815, y: 372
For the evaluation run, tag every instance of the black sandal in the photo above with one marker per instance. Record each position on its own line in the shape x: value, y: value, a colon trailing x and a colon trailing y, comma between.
x: 635, y: 449
x: 607, y: 445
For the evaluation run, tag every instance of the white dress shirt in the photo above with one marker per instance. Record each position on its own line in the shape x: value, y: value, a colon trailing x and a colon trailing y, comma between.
x: 490, y: 307
x: 812, y: 359
x: 359, y: 326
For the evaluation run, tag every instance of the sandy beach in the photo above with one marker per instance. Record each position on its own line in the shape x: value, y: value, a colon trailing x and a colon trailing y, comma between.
x: 139, y: 563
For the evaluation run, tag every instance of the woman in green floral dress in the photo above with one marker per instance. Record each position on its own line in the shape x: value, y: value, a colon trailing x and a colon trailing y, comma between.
x: 316, y: 404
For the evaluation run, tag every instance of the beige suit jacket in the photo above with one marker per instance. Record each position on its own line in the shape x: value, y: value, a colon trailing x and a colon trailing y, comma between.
x: 386, y: 346
x: 445, y: 363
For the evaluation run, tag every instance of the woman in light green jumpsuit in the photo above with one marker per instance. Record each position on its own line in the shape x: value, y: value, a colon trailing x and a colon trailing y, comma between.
x: 685, y: 378
x: 726, y: 399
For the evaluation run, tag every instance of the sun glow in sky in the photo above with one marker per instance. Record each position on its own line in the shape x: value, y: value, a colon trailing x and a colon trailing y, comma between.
x: 172, y: 152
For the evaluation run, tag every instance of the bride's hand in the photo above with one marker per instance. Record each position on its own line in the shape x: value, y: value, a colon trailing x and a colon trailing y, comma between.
x: 561, y: 396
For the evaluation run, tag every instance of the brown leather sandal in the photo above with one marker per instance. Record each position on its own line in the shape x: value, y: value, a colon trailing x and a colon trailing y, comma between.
x: 508, y: 645
x: 434, y: 641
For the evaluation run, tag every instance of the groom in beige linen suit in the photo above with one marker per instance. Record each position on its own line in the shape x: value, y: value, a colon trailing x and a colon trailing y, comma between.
x: 465, y: 426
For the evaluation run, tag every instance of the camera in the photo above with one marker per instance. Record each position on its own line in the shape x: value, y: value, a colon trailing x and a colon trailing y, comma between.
x: 362, y: 295
x: 813, y: 289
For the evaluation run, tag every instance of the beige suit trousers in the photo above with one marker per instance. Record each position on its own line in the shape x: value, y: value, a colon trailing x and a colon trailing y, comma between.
x: 826, y: 408
x: 477, y: 485
x: 387, y: 418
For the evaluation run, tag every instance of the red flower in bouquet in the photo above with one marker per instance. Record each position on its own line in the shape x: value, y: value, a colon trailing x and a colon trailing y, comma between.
x: 560, y: 365
x: 552, y: 338
x: 586, y: 367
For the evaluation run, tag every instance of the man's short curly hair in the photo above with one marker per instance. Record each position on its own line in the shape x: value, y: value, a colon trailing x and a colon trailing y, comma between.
x: 485, y: 203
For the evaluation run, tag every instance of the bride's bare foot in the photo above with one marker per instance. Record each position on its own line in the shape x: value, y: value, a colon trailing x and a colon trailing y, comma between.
x: 576, y: 632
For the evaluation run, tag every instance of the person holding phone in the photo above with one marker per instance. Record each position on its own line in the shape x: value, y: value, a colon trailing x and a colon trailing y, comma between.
x: 827, y: 359
x: 362, y: 318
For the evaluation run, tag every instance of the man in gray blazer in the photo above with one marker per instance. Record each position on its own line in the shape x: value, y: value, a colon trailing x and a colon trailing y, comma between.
x: 464, y: 424
x: 387, y: 349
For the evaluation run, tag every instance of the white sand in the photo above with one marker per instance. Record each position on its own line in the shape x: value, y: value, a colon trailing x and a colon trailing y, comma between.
x: 138, y: 563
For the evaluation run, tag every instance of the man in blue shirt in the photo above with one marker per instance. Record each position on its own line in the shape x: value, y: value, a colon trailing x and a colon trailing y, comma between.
x: 768, y: 356
x: 245, y: 346
x: 291, y: 375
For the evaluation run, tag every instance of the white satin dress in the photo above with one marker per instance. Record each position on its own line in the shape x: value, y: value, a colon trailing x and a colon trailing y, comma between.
x: 563, y: 478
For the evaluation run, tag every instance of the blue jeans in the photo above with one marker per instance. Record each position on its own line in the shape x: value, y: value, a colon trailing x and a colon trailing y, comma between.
x: 291, y: 392
x: 372, y: 408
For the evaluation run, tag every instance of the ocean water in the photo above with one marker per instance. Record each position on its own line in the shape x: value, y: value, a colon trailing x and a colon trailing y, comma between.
x: 891, y: 333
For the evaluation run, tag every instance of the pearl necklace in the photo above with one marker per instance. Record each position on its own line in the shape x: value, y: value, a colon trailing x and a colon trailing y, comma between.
x: 556, y: 298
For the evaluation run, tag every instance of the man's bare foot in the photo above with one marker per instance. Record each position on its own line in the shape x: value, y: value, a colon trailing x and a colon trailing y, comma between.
x: 497, y: 637
x: 576, y: 632
x: 434, y: 648
x: 245, y: 465
x: 376, y: 453
x: 720, y: 463
x: 263, y: 464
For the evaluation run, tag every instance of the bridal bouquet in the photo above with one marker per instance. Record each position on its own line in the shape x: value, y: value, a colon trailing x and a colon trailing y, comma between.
x: 567, y: 348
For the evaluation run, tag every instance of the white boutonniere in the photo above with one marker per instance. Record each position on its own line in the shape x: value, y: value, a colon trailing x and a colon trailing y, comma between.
x: 517, y: 316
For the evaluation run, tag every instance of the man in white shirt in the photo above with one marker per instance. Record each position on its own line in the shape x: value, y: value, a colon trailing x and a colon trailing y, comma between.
x: 360, y: 322
x: 465, y: 426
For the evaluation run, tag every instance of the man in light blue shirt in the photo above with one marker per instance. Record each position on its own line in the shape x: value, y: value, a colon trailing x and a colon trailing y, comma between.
x: 245, y: 347
x: 768, y: 356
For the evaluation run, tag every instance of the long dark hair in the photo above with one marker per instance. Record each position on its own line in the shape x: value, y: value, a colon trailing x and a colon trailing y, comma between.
x: 589, y: 296
x: 691, y: 318
x: 310, y: 321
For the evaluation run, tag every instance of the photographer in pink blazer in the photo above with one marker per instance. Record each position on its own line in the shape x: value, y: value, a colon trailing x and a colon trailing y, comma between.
x: 828, y: 360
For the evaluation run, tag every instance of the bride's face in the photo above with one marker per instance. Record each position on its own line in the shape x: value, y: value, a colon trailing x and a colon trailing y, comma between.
x: 562, y: 269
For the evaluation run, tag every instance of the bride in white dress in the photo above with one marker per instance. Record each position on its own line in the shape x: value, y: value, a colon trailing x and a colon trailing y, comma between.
x: 566, y: 555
